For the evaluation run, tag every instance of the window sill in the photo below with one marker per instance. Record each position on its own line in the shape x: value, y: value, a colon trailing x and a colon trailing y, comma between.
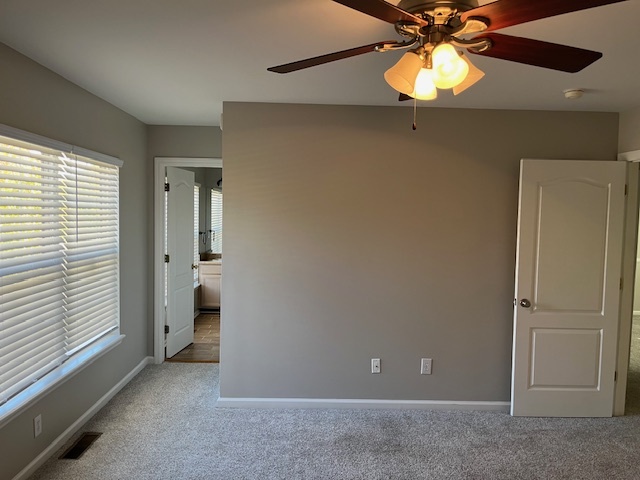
x: 18, y: 404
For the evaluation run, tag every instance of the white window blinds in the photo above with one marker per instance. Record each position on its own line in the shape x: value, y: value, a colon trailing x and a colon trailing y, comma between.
x: 59, y: 272
x: 216, y: 221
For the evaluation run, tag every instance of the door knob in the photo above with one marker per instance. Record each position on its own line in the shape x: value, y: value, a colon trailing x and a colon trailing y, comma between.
x: 525, y: 303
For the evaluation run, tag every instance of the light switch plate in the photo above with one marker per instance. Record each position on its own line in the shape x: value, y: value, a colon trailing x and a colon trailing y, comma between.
x: 425, y: 366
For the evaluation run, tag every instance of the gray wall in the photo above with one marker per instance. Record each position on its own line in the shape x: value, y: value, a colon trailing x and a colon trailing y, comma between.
x: 33, y: 98
x: 180, y: 141
x: 349, y: 236
x: 629, y: 137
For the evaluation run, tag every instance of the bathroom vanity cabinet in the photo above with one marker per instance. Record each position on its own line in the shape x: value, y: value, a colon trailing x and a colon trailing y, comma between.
x: 209, y: 276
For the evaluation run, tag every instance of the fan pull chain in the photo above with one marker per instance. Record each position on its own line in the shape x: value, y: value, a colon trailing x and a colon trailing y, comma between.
x: 415, y: 109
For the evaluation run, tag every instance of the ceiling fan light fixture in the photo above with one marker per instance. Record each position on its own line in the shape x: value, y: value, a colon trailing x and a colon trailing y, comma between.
x: 402, y: 76
x: 449, y: 70
x: 474, y: 75
x: 437, y: 26
x: 425, y: 88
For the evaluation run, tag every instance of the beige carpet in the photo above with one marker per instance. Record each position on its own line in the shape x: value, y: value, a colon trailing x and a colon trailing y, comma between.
x: 164, y: 425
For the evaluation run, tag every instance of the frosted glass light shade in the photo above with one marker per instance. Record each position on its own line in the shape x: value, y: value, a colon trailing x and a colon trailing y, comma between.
x: 475, y: 74
x: 402, y: 76
x: 449, y: 69
x: 425, y: 88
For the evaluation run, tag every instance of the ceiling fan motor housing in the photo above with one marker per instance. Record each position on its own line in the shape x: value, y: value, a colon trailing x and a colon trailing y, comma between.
x: 443, y: 24
x: 442, y: 17
x: 437, y: 8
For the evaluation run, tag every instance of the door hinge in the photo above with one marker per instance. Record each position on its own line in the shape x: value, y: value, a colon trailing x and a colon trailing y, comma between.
x: 626, y: 190
x: 615, y: 376
x: 167, y: 187
x: 166, y: 259
x: 621, y: 283
x: 166, y: 329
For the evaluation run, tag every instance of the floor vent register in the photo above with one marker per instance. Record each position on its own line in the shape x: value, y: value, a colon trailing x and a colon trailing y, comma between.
x: 80, y: 446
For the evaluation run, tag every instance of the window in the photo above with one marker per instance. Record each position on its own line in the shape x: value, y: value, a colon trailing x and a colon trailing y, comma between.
x: 196, y: 229
x: 216, y: 221
x: 59, y: 256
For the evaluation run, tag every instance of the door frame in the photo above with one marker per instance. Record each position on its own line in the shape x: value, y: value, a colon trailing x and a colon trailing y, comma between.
x: 159, y: 165
x: 629, y: 254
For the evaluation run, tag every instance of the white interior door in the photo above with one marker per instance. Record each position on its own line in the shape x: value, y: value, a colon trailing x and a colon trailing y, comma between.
x: 568, y: 271
x: 180, y: 248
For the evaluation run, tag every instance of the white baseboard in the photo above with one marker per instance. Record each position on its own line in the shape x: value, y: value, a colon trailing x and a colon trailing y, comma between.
x: 77, y: 425
x: 361, y: 403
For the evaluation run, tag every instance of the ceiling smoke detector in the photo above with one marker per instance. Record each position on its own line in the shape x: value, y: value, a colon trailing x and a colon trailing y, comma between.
x: 573, y: 93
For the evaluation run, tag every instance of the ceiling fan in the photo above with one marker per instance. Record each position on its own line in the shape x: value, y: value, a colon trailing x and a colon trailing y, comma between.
x: 438, y: 31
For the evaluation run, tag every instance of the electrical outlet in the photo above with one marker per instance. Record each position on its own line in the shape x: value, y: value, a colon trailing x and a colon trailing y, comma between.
x: 37, y: 426
x: 425, y: 366
x: 375, y: 365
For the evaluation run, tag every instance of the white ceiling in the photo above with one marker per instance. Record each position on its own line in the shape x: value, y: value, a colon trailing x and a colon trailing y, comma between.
x: 171, y: 62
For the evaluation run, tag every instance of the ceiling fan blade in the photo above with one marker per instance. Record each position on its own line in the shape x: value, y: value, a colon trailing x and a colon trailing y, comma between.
x: 538, y: 53
x: 330, y: 57
x: 505, y: 13
x: 383, y: 11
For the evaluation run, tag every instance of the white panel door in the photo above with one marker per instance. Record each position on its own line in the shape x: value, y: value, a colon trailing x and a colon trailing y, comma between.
x: 567, y: 293
x: 180, y: 272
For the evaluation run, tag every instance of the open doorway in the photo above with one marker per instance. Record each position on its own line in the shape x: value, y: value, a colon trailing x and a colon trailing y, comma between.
x: 205, y: 244
x: 632, y: 401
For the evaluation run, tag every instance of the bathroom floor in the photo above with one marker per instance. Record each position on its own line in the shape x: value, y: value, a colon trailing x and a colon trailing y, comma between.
x: 206, y: 341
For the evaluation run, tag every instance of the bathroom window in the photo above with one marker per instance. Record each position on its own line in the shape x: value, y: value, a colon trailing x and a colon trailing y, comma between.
x: 216, y: 221
x: 59, y: 262
x: 196, y: 229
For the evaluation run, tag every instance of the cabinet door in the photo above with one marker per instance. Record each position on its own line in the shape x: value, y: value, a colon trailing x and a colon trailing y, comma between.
x: 210, y: 291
